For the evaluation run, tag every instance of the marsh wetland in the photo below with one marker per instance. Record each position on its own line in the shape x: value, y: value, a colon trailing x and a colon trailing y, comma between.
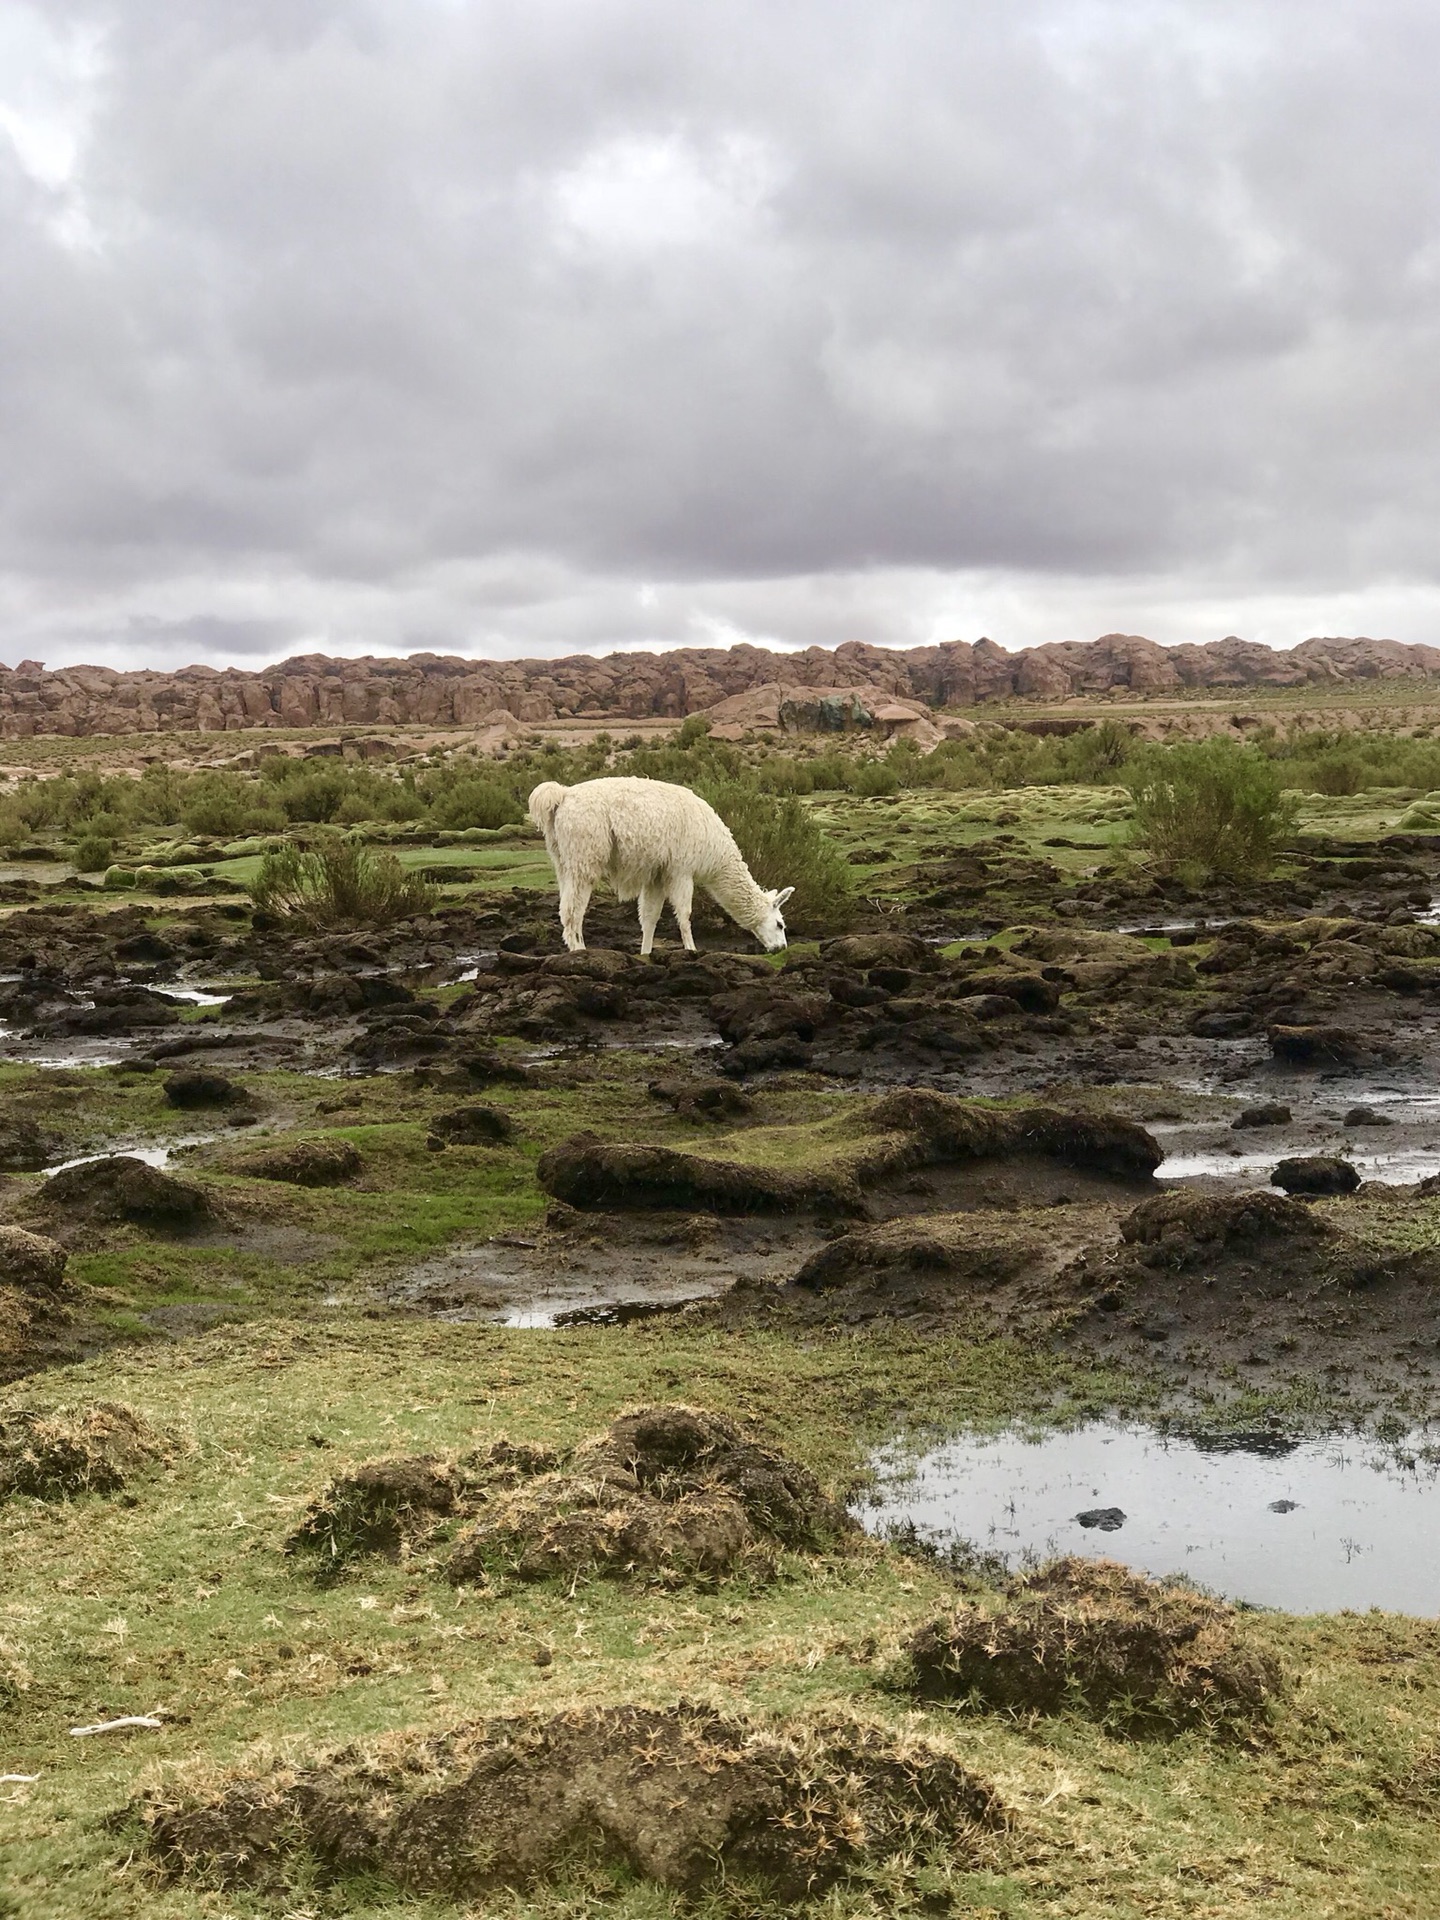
x: 525, y: 1432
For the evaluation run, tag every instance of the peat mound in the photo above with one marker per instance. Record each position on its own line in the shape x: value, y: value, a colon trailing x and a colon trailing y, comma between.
x: 476, y: 1126
x: 586, y: 1172
x: 194, y: 1089
x: 1253, y: 1273
x: 303, y: 1163
x: 894, y: 1137
x: 23, y: 1147
x: 1316, y: 1174
x: 385, y: 1506
x: 700, y: 1100
x: 931, y: 1266
x: 1147, y: 1656
x: 53, y: 1453
x: 122, y: 1188
x: 954, y: 1129
x: 671, y: 1491
x: 679, y: 1795
x: 35, y: 1299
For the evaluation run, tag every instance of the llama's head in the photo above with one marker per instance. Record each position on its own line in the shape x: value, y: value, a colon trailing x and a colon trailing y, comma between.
x: 770, y: 930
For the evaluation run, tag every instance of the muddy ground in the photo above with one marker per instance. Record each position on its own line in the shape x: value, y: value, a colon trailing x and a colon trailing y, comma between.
x: 311, y: 1214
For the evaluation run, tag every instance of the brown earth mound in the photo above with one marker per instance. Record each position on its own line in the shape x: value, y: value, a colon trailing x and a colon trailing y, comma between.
x: 35, y: 1300
x: 53, y: 1453
x: 1316, y: 1173
x: 926, y: 1262
x: 954, y: 1129
x: 1253, y: 1276
x: 195, y: 1088
x: 121, y: 1187
x: 381, y: 1506
x: 475, y: 1126
x: 679, y: 1795
x: 672, y: 1491
x: 1092, y: 1637
x: 586, y: 1172
x: 304, y: 1163
x: 909, y: 1130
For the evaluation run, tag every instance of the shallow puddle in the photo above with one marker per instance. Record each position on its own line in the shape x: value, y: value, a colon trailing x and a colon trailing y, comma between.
x: 1401, y: 1168
x: 1311, y: 1527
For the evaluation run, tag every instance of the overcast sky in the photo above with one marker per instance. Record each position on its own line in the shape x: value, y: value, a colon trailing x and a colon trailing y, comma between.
x: 534, y: 326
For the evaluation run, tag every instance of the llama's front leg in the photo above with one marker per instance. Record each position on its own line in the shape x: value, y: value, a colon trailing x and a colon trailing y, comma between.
x: 574, y: 900
x: 652, y: 905
x: 682, y: 898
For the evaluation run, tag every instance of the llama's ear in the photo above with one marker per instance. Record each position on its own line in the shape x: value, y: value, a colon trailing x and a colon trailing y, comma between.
x: 779, y: 899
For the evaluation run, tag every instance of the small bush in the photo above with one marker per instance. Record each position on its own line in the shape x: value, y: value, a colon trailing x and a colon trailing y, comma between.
x: 784, y: 847
x: 1212, y: 808
x: 340, y: 883
x: 93, y: 855
x: 477, y: 803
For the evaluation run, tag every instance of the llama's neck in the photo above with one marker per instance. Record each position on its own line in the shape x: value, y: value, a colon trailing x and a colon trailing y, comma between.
x: 730, y: 886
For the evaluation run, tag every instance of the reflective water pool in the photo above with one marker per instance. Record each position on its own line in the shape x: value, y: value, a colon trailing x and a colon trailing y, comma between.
x: 1310, y: 1527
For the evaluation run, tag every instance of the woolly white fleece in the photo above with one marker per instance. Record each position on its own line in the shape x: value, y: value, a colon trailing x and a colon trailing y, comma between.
x: 651, y: 842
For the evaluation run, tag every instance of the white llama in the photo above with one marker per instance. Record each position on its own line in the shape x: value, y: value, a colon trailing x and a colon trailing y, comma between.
x: 652, y: 842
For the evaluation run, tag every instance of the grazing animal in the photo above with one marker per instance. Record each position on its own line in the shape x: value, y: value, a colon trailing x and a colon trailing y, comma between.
x: 652, y: 842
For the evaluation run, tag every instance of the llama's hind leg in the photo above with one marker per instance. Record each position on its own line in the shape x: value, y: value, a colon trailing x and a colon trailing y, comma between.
x: 652, y: 905
x: 574, y: 900
x: 682, y: 898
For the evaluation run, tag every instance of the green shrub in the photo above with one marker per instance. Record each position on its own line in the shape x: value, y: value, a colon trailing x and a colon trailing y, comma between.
x: 1210, y: 808
x: 874, y: 780
x: 339, y: 883
x: 476, y: 803
x: 783, y: 847
x: 93, y: 854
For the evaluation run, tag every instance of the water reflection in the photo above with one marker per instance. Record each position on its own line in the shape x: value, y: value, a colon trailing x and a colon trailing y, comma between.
x: 1310, y: 1527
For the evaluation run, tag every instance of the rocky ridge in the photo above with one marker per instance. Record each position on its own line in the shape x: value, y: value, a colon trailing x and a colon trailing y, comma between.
x: 427, y: 689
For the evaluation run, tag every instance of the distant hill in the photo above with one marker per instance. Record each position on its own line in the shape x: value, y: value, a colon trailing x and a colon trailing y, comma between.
x: 436, y: 690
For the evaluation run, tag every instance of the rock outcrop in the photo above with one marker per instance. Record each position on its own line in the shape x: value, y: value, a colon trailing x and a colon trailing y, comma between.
x: 505, y: 696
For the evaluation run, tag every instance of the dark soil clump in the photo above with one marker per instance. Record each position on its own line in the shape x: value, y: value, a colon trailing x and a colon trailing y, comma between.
x: 120, y: 1187
x: 471, y: 1127
x: 679, y: 1795
x: 51, y: 1454
x: 585, y: 1172
x: 196, y: 1089
x: 1148, y: 1656
x: 1317, y: 1173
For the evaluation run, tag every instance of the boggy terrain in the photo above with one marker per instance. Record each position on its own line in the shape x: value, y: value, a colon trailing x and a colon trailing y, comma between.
x: 439, y: 1367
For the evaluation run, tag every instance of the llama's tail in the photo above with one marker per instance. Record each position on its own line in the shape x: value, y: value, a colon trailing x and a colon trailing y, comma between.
x: 543, y: 802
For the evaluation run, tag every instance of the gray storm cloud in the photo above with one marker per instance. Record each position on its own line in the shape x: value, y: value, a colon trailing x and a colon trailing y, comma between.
x: 554, y: 324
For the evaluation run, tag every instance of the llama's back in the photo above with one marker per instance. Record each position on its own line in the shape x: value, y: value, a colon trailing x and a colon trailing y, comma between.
x: 636, y: 830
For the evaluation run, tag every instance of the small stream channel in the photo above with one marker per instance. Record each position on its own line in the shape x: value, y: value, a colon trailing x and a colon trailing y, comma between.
x: 1309, y: 1526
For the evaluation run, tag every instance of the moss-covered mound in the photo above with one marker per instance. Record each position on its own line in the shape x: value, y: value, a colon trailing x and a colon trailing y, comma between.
x: 832, y: 1165
x: 302, y: 1163
x: 679, y: 1795
x: 1092, y: 1637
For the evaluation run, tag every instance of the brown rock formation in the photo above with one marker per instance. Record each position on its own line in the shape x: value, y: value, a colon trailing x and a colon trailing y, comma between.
x: 434, y: 690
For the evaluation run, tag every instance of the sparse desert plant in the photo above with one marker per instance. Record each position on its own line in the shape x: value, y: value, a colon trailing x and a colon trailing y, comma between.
x: 339, y: 883
x: 783, y: 846
x: 1211, y: 807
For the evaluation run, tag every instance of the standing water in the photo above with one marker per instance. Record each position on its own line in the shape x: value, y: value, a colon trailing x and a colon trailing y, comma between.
x: 1310, y: 1527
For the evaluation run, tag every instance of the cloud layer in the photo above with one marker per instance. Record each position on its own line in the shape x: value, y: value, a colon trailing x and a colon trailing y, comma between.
x: 513, y: 326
